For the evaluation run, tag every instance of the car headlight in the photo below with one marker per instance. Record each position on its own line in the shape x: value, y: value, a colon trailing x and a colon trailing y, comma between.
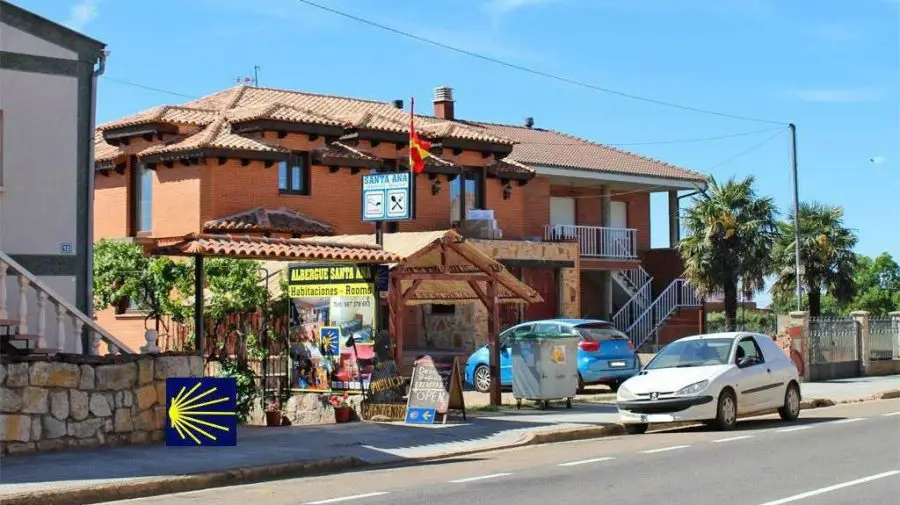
x: 625, y: 394
x: 693, y: 388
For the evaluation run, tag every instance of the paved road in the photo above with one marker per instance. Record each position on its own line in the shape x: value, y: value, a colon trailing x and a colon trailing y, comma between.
x: 849, y: 454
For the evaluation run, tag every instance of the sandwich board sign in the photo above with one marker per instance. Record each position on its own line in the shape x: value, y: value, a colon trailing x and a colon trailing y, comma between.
x: 433, y: 391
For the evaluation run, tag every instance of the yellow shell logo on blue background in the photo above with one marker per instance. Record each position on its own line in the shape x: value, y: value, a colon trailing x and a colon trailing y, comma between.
x: 201, y: 411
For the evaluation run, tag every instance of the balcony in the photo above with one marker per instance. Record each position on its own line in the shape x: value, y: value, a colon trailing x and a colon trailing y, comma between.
x: 596, y: 241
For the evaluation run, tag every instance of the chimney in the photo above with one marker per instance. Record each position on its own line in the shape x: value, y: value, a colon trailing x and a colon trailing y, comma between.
x: 529, y: 122
x: 443, y: 102
x: 398, y: 104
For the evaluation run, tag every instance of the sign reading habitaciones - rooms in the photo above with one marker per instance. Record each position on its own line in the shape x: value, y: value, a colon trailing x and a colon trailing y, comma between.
x: 319, y: 281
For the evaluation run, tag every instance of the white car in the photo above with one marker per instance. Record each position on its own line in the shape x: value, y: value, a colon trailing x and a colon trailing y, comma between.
x: 714, y: 378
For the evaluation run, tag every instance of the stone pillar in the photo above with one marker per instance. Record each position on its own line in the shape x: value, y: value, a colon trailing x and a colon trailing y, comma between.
x: 798, y: 330
x: 674, y: 222
x: 862, y: 339
x: 895, y: 326
x: 569, y: 292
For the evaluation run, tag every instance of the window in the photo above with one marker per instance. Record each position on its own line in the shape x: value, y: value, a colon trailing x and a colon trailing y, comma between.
x: 515, y: 331
x: 547, y: 329
x: 442, y: 309
x: 293, y: 175
x: 599, y: 332
x: 748, y: 348
x: 142, y: 197
x: 474, y: 192
x: 697, y: 352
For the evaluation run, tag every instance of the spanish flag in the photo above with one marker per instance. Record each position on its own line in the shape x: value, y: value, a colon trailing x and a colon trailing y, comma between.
x: 418, y: 148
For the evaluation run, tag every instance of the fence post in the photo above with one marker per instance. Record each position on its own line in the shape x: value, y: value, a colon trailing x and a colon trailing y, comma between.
x: 798, y: 330
x: 862, y: 340
x: 895, y: 326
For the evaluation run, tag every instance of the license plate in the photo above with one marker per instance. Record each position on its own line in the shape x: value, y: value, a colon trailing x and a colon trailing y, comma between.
x: 617, y: 363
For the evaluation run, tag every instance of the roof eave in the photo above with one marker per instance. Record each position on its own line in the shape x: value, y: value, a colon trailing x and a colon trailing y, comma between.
x: 690, y: 183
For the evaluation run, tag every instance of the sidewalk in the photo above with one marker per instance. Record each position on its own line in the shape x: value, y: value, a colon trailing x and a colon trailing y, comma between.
x: 269, y: 453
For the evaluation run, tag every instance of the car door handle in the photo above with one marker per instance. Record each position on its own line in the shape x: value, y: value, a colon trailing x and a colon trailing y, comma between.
x: 769, y: 370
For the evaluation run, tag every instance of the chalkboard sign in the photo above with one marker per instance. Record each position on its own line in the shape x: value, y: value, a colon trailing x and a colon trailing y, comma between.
x: 434, y: 390
x: 386, y: 385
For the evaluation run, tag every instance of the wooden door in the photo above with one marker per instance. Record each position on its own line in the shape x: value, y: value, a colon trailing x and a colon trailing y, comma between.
x: 546, y: 282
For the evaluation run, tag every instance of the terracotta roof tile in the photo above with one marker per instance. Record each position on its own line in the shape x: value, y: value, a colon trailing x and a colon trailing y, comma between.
x: 104, y: 151
x: 172, y: 114
x: 260, y: 220
x: 508, y: 166
x: 337, y: 152
x: 537, y: 146
x: 260, y: 248
x: 280, y: 112
x: 217, y: 135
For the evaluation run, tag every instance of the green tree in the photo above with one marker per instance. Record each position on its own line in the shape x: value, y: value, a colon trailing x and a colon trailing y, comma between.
x: 878, y: 285
x: 729, y: 236
x: 123, y: 273
x: 826, y: 255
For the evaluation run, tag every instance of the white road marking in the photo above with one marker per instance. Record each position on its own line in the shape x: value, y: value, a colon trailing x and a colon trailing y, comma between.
x: 851, y: 420
x: 483, y: 477
x: 584, y: 461
x: 731, y: 439
x: 829, y: 489
x: 889, y: 414
x: 347, y: 498
x: 674, y: 447
x: 795, y: 428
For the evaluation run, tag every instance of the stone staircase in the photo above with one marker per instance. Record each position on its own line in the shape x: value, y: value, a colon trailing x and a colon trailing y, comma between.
x: 637, y: 283
x: 27, y: 331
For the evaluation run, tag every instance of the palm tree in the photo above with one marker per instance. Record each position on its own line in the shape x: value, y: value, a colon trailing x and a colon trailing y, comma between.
x: 729, y: 237
x: 826, y: 254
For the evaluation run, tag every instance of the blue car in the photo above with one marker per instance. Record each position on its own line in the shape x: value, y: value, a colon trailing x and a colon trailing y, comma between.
x: 605, y: 354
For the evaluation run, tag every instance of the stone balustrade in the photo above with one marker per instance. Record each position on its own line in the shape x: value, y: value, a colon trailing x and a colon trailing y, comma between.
x: 60, y: 402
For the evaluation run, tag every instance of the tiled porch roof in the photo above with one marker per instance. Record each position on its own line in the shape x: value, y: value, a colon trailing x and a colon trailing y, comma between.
x: 260, y: 220
x: 217, y: 135
x: 264, y: 248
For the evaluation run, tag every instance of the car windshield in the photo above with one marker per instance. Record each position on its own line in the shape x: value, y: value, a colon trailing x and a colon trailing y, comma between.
x: 599, y: 332
x: 688, y: 353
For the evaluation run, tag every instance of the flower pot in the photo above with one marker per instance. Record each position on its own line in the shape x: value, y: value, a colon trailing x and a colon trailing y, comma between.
x: 342, y: 414
x: 273, y: 418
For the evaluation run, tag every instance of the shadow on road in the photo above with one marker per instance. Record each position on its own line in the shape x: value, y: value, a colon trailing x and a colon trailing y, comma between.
x: 753, y: 425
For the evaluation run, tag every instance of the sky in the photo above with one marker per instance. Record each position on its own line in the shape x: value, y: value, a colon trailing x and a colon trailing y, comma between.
x: 832, y: 67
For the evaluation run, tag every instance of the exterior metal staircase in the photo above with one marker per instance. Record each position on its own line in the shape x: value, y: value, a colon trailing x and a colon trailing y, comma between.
x: 679, y: 293
x: 637, y: 283
x: 27, y: 333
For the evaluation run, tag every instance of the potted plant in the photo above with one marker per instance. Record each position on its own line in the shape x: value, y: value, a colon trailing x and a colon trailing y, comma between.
x: 273, y: 414
x: 342, y: 410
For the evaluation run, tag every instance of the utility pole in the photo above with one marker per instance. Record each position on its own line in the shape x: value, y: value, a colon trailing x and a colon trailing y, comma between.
x: 796, y: 214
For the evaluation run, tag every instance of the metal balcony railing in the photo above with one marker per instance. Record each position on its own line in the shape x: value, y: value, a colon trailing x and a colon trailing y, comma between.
x: 596, y: 241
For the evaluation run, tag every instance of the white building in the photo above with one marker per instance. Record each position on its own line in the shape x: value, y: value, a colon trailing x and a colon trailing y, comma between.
x: 48, y: 80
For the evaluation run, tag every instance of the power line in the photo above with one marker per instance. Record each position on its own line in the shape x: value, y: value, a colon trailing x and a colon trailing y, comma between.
x: 150, y: 88
x: 748, y: 150
x: 538, y: 72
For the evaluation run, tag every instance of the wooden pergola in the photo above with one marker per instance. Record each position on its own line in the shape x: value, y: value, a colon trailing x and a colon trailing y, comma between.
x: 426, y: 267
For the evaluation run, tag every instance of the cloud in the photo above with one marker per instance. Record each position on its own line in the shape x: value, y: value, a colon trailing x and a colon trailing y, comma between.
x: 852, y: 95
x: 878, y: 160
x: 507, y: 6
x: 82, y: 13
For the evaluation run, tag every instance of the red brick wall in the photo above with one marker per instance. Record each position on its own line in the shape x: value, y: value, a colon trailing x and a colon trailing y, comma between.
x: 638, y: 216
x: 111, y: 205
x: 665, y: 265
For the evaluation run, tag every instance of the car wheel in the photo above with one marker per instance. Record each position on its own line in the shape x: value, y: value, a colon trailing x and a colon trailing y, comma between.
x: 482, y: 379
x: 581, y: 387
x: 636, y: 429
x: 791, y: 409
x: 614, y: 386
x: 726, y: 413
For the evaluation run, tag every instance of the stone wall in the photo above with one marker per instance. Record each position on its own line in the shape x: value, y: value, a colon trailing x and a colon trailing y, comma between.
x: 73, y: 401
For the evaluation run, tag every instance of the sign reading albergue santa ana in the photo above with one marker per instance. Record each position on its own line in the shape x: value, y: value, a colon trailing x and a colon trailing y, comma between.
x: 331, y: 280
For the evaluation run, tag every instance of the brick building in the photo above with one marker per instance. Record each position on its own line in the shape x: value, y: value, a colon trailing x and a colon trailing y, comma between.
x: 573, y: 215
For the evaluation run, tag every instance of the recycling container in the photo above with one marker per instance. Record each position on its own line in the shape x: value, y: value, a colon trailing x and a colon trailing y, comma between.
x: 544, y: 368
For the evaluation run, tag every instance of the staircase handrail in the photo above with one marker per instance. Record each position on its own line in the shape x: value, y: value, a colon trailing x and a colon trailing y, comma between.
x: 71, y: 309
x: 642, y: 295
x: 670, y: 297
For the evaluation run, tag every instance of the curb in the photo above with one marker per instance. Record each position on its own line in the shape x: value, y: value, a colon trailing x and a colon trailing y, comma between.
x: 180, y: 484
x: 184, y: 483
